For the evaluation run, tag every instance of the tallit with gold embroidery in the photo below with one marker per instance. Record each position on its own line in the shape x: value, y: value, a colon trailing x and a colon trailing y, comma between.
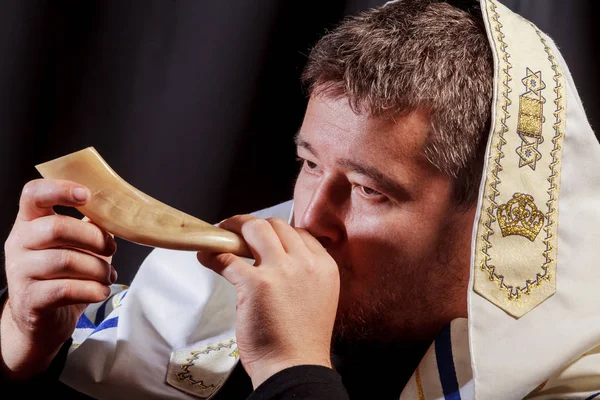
x: 535, y: 283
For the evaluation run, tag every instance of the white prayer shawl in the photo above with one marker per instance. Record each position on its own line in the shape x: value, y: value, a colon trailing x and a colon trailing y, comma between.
x: 534, y: 319
x: 534, y: 322
x: 170, y: 334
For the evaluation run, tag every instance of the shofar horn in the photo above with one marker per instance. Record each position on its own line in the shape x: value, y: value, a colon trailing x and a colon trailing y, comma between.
x: 130, y: 214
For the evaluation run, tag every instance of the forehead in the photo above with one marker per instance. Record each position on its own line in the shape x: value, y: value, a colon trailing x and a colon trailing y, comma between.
x: 332, y: 125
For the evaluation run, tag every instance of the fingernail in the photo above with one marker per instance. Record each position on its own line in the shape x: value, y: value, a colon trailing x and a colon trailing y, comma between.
x: 80, y: 194
x: 113, y: 274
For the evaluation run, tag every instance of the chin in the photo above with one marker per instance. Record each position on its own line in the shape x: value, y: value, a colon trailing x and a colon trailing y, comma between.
x: 360, y: 320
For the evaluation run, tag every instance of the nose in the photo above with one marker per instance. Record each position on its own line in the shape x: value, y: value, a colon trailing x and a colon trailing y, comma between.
x: 323, y: 215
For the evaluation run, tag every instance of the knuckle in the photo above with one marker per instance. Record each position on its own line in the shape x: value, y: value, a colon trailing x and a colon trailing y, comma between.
x: 10, y: 243
x: 65, y: 259
x: 39, y: 233
x: 24, y: 316
x: 33, y: 192
x: 236, y: 219
x: 10, y: 268
x: 305, y: 234
x: 56, y: 227
x: 11, y: 255
x: 19, y: 298
x: 302, y: 231
x: 30, y: 189
x: 62, y: 291
x: 311, y: 266
x: 257, y: 224
x: 276, y: 221
x: 225, y: 259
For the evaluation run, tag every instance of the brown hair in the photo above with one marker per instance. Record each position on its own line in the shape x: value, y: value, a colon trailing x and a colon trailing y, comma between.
x: 416, y: 54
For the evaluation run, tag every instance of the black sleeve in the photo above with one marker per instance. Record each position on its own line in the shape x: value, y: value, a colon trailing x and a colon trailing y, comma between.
x: 302, y: 382
x: 45, y: 383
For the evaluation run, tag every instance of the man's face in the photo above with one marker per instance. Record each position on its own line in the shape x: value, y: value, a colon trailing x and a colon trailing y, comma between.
x: 386, y: 216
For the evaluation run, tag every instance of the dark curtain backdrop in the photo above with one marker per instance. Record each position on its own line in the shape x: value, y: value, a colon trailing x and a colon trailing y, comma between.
x: 193, y: 102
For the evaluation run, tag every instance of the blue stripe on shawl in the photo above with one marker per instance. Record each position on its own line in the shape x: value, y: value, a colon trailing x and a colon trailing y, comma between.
x: 84, y: 322
x: 108, y: 323
x: 445, y: 362
x: 100, y: 313
x: 594, y: 396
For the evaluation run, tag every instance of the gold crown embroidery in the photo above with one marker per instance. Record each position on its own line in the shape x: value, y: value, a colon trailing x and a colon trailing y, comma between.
x: 520, y: 216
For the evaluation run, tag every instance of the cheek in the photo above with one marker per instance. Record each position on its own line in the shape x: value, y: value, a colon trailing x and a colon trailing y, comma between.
x: 390, y: 240
x: 372, y: 244
x: 389, y: 265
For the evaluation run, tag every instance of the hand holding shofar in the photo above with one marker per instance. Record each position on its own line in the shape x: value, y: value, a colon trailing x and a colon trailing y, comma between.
x: 130, y: 214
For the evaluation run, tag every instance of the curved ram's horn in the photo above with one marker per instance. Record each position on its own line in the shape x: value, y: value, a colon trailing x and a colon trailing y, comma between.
x: 126, y: 212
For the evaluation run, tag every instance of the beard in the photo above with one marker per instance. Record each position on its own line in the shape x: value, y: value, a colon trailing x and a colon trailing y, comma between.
x: 370, y: 330
x: 405, y: 306
x: 378, y: 315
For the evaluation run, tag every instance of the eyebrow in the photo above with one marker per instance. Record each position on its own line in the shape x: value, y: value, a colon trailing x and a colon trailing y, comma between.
x: 303, y: 143
x: 386, y: 183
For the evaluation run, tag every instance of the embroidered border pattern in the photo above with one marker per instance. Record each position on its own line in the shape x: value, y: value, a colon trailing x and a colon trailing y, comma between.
x: 490, y: 269
x: 515, y: 292
x: 554, y: 178
x: 187, y: 375
x: 419, y: 385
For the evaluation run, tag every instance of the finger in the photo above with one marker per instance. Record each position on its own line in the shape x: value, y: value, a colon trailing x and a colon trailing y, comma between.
x: 258, y: 234
x: 288, y: 236
x: 64, y: 231
x: 86, y: 219
x: 70, y: 264
x: 40, y: 195
x: 62, y: 292
x: 108, y: 259
x: 310, y: 241
x: 231, y: 267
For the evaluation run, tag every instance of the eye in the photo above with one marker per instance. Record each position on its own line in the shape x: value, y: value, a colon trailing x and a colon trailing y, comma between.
x: 370, y: 193
x: 308, y: 165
